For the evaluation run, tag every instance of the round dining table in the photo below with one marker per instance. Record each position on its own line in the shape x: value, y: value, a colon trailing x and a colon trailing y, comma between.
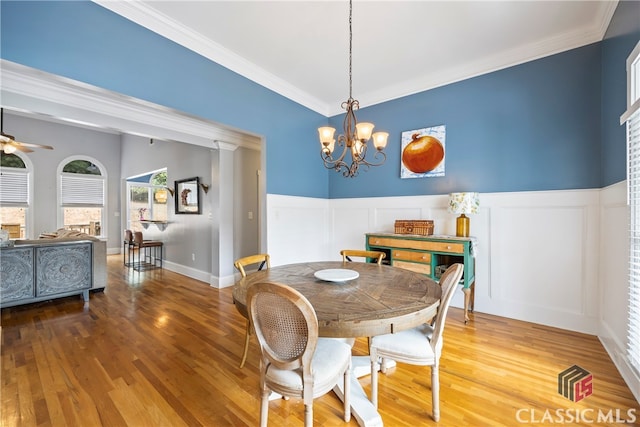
x: 380, y: 300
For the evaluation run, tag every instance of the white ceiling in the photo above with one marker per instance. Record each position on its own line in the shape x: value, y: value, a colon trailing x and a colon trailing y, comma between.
x: 300, y: 48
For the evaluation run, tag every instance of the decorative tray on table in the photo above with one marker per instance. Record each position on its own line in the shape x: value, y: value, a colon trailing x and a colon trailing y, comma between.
x: 336, y: 275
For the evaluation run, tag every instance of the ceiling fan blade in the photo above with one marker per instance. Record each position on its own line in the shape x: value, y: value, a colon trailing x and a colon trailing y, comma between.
x: 5, y: 138
x: 22, y: 148
x: 29, y: 144
x: 11, y: 146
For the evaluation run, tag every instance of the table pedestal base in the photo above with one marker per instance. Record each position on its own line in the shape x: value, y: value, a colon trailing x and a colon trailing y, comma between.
x: 361, y: 407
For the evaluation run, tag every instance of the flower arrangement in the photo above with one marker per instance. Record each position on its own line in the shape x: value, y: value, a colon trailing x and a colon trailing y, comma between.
x: 141, y: 212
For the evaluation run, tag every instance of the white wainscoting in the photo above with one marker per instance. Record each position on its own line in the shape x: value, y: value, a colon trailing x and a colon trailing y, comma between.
x: 297, y: 229
x: 537, y: 257
x: 614, y: 278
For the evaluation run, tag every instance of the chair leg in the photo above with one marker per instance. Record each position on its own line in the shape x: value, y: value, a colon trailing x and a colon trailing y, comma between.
x: 374, y: 380
x: 246, y: 344
x: 264, y: 408
x: 308, y: 415
x: 347, y: 393
x: 435, y: 392
x: 383, y: 365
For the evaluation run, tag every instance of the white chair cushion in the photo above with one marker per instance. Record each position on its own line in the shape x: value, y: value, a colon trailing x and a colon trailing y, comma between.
x: 329, y: 362
x: 411, y: 344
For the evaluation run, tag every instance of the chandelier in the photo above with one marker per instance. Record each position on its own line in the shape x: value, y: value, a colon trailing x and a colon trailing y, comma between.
x: 356, y: 135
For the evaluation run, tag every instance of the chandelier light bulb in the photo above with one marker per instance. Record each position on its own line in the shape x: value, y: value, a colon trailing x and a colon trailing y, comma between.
x: 363, y: 131
x: 326, y: 135
x: 331, y: 146
x: 380, y: 140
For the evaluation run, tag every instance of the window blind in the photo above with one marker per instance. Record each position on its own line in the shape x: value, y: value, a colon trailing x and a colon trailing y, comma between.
x: 82, y: 190
x: 633, y: 139
x: 632, y: 119
x: 14, y: 188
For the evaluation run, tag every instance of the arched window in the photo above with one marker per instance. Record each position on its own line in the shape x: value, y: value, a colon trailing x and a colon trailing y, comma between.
x: 147, y: 200
x: 82, y: 197
x: 16, y: 181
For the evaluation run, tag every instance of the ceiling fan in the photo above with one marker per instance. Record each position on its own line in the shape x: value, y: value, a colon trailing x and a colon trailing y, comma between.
x: 8, y: 143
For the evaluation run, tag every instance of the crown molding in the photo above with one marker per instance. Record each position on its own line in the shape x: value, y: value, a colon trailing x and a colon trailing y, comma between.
x: 226, y: 146
x: 31, y: 90
x: 163, y: 25
x: 148, y: 17
x: 509, y: 58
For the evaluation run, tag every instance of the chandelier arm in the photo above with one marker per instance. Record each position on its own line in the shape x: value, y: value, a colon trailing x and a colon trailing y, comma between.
x: 353, y: 170
x: 327, y: 157
x: 375, y: 156
x: 349, y: 124
x: 359, y: 156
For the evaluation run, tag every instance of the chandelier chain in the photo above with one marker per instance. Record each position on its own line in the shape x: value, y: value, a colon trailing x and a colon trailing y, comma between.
x: 350, y: 50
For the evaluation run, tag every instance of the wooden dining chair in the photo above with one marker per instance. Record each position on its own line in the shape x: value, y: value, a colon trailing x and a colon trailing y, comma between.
x: 295, y: 362
x: 348, y: 253
x: 262, y: 261
x: 418, y: 346
x: 357, y: 253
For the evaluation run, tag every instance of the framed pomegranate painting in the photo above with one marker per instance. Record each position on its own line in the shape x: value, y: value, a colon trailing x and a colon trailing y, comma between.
x: 423, y: 152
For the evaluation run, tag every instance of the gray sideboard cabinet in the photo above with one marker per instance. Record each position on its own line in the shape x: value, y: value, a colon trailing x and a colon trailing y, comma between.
x: 43, y: 271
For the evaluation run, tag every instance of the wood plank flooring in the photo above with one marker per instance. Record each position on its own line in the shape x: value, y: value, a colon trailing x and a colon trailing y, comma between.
x: 160, y: 349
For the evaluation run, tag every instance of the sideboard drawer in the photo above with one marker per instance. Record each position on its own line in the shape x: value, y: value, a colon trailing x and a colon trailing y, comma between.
x: 429, y: 255
x: 456, y: 248
x: 423, y: 257
x: 413, y: 266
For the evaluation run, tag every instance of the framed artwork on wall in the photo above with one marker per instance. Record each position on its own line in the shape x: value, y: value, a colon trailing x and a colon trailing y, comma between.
x: 187, y: 197
x: 423, y: 152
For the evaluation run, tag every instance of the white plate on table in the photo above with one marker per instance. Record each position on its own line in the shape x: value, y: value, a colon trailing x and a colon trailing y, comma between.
x: 336, y: 274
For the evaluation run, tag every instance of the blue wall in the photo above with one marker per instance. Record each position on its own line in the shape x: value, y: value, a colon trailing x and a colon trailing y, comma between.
x: 534, y: 126
x: 83, y: 41
x: 622, y: 36
x: 548, y: 124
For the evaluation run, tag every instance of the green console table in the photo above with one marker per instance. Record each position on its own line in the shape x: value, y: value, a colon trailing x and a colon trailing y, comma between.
x: 430, y: 255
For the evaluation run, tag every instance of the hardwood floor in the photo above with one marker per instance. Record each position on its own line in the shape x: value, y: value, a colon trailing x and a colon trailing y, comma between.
x: 159, y: 349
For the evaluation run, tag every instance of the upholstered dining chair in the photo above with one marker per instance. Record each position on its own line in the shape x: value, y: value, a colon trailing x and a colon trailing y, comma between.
x: 295, y: 362
x: 418, y: 346
x: 348, y: 253
x: 127, y: 245
x: 262, y: 261
x: 144, y: 248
